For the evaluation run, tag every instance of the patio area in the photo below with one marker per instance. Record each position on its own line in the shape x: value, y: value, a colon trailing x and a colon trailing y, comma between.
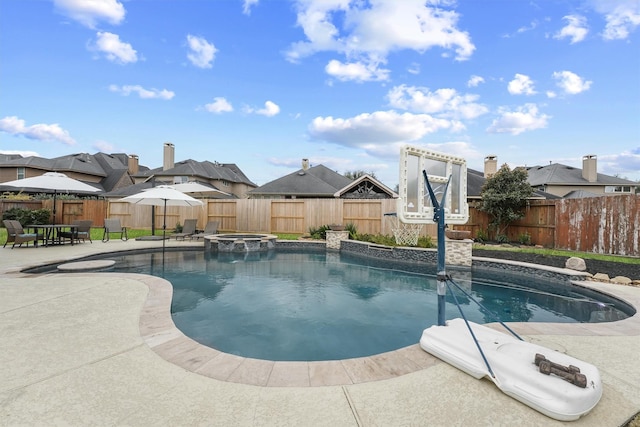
x: 92, y: 349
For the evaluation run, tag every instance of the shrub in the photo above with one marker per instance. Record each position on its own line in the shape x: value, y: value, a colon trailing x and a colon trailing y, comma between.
x: 502, y: 238
x: 425, y: 242
x: 481, y: 236
x: 319, y: 233
x: 386, y: 240
x: 28, y: 216
x: 353, y: 231
x: 379, y: 239
x: 524, y: 238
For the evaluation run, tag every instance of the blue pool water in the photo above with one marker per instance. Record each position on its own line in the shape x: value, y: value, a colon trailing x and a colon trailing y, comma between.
x: 327, y: 306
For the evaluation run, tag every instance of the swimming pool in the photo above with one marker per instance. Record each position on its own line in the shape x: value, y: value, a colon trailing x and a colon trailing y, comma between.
x: 308, y: 306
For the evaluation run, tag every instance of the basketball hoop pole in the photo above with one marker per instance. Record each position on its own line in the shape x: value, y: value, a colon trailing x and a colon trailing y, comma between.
x: 438, y: 217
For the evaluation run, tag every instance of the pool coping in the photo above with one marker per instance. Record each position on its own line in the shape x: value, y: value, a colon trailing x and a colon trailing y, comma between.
x: 166, y: 340
x: 160, y: 334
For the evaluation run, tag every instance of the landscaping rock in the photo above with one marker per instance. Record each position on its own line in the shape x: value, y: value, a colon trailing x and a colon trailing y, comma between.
x: 601, y: 277
x: 611, y: 269
x: 621, y: 280
x: 575, y: 263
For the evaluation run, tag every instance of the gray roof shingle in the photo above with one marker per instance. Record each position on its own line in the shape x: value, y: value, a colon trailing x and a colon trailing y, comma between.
x: 206, y: 170
x: 559, y: 174
x: 317, y: 181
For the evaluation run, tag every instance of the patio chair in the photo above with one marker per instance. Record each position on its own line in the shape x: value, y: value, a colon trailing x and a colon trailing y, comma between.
x: 210, y: 228
x: 113, y: 226
x: 81, y: 232
x: 16, y: 234
x: 188, y: 229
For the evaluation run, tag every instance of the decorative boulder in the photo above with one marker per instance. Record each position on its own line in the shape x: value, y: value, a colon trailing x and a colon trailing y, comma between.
x: 621, y: 280
x: 575, y: 263
x: 602, y: 277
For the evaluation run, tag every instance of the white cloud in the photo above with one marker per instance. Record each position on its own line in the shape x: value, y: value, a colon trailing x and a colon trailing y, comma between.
x: 523, y: 119
x: 380, y: 127
x: 627, y: 162
x: 474, y: 81
x: 622, y: 17
x: 365, y: 32
x: 246, y: 6
x: 202, y: 53
x: 219, y: 105
x: 103, y: 146
x: 532, y: 26
x: 88, y: 13
x: 521, y: 85
x: 356, y: 71
x: 443, y: 102
x: 576, y: 29
x: 414, y: 68
x: 571, y: 83
x: 143, y: 93
x: 114, y: 49
x: 41, y: 132
x: 270, y: 109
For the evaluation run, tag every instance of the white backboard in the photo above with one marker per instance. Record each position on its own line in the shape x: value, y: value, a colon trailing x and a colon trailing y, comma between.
x: 414, y: 204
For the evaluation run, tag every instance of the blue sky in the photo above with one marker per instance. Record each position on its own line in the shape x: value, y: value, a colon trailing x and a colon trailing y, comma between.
x: 266, y: 83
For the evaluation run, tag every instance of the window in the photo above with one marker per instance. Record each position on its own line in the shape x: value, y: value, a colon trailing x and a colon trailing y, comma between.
x: 180, y: 179
x: 226, y: 183
x: 21, y: 173
x: 617, y: 189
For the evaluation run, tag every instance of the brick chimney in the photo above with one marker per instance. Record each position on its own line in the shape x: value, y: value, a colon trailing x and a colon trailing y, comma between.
x: 133, y: 165
x: 305, y: 164
x: 169, y: 156
x: 490, y: 165
x: 590, y: 167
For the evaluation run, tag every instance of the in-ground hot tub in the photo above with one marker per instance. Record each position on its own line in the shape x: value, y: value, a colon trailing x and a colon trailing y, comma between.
x: 240, y: 242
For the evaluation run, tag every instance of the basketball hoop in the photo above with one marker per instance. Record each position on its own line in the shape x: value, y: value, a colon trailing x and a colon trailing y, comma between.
x: 405, y: 234
x: 443, y: 171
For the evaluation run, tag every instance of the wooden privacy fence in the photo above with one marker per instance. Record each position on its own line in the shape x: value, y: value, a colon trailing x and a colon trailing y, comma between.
x: 609, y: 224
x: 606, y: 224
x: 539, y: 223
x: 273, y: 216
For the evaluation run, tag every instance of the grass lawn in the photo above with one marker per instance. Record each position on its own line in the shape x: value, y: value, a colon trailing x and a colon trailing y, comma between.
x: 559, y: 252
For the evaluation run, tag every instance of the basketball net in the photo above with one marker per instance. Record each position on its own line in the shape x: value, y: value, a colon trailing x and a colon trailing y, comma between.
x: 405, y: 234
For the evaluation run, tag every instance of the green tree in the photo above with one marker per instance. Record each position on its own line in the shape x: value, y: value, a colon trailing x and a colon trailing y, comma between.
x: 504, y: 196
x: 358, y: 173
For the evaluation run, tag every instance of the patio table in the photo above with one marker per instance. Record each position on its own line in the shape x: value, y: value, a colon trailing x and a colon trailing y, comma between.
x: 51, y: 232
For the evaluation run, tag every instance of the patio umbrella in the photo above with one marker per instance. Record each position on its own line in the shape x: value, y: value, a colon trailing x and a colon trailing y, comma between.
x: 196, y: 187
x: 162, y: 195
x: 55, y: 181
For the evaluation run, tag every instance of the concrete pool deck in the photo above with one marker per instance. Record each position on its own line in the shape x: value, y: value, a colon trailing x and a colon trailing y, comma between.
x: 100, y: 349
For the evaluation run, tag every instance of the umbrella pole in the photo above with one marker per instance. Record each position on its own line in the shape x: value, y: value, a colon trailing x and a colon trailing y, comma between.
x: 54, y: 207
x: 164, y: 226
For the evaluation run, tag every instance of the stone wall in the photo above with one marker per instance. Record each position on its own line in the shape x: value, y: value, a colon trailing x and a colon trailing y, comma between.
x: 458, y: 252
x: 335, y: 237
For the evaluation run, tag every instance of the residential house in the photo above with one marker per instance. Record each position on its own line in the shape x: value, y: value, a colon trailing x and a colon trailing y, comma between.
x: 104, y: 171
x: 570, y: 182
x: 226, y: 177
x: 120, y: 175
x: 321, y: 182
x: 476, y: 180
